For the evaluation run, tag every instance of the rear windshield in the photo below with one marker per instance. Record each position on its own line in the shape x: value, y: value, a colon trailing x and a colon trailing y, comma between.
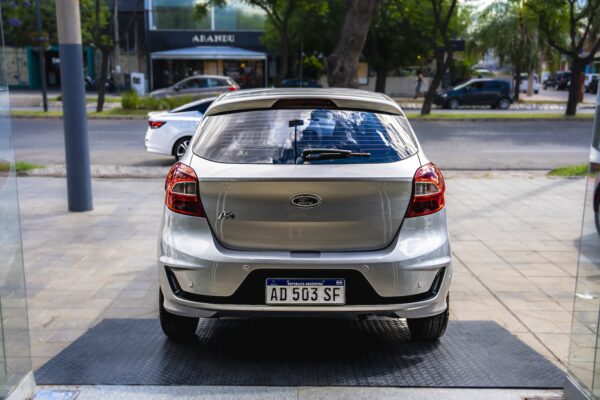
x: 281, y: 137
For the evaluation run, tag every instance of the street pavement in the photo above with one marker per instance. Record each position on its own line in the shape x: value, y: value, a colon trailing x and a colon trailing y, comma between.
x: 514, y: 262
x: 479, y: 145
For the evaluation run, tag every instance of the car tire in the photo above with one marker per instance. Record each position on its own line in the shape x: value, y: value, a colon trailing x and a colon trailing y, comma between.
x: 176, y: 327
x: 429, y: 328
x: 545, y: 87
x: 597, y: 220
x: 453, y: 104
x: 536, y: 91
x: 504, y: 103
x: 180, y: 147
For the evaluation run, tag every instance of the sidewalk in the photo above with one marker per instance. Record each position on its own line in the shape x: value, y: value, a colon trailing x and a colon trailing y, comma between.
x: 515, y: 261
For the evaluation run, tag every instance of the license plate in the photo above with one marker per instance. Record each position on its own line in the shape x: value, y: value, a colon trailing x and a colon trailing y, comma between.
x: 306, y: 291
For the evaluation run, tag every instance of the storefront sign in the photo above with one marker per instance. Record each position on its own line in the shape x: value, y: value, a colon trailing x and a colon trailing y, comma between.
x: 213, y: 38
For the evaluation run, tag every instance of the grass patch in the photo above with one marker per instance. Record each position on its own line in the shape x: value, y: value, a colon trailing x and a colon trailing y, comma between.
x: 19, y: 166
x: 94, y: 99
x: 570, y: 170
x: 491, y: 115
x: 118, y: 112
x: 114, y: 113
x: 35, y: 114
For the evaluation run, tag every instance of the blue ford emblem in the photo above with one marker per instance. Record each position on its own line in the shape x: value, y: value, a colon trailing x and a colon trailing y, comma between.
x: 306, y: 200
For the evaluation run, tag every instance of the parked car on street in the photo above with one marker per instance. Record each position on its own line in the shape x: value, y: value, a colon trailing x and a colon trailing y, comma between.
x: 313, y: 202
x: 297, y: 83
x: 477, y: 92
x: 559, y: 81
x: 525, y: 82
x: 587, y: 80
x: 198, y: 86
x: 593, y: 86
x: 169, y: 132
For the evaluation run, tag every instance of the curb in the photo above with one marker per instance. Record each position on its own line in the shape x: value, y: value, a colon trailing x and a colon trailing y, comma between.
x: 108, y: 117
x: 132, y: 172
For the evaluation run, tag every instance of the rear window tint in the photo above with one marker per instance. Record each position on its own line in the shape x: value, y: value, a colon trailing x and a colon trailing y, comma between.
x: 266, y: 137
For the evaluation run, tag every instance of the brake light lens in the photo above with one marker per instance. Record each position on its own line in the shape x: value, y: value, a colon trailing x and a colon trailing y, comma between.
x: 182, y: 194
x: 156, y: 124
x: 428, y: 191
x: 232, y: 88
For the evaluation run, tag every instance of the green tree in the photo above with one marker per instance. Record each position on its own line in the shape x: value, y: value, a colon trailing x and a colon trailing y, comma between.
x: 443, y: 13
x: 312, y: 30
x: 279, y: 13
x: 18, y: 20
x: 399, y: 36
x: 510, y: 28
x: 571, y: 27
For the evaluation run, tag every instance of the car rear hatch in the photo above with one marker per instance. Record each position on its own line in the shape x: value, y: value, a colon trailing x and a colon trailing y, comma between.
x: 275, y: 200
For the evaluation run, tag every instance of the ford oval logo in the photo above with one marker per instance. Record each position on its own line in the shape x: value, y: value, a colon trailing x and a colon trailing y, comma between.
x: 306, y: 200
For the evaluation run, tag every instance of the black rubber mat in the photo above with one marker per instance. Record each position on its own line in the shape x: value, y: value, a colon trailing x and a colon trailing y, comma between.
x: 301, y: 352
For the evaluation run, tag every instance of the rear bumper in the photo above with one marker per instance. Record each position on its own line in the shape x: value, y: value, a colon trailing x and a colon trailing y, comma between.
x: 200, y: 278
x: 158, y: 141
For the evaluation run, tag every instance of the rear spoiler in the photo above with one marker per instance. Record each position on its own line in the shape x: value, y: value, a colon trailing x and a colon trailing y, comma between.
x: 296, y: 101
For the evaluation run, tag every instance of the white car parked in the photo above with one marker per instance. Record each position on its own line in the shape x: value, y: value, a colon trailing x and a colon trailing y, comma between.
x: 588, y: 79
x: 524, y: 82
x: 169, y: 132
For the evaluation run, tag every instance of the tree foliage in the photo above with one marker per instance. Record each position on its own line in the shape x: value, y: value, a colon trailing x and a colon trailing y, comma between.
x: 571, y: 27
x: 510, y: 28
x: 399, y: 36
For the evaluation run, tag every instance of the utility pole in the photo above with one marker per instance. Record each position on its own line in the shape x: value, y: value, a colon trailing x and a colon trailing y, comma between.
x: 118, y: 75
x: 77, y: 149
x: 41, y: 56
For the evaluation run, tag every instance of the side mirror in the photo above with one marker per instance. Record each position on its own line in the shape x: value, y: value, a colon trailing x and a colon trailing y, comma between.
x: 176, y: 88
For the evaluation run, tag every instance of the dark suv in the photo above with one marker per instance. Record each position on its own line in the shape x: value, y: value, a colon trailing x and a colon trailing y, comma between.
x: 558, y: 81
x: 477, y: 92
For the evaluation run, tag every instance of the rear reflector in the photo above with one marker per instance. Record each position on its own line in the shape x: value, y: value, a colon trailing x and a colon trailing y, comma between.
x: 232, y: 88
x: 182, y: 194
x: 156, y: 124
x: 428, y: 191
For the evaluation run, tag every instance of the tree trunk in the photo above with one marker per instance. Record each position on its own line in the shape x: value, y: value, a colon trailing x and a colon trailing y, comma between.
x: 102, y: 80
x: 381, y: 78
x: 283, y: 56
x: 342, y: 64
x: 441, y: 65
x: 517, y: 88
x: 578, y: 67
x: 530, y: 83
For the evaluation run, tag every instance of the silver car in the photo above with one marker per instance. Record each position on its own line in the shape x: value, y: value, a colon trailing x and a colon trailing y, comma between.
x: 304, y: 202
x: 198, y: 86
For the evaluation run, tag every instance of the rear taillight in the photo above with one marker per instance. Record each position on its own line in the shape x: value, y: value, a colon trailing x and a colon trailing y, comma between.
x: 428, y: 191
x: 232, y: 88
x: 156, y: 124
x: 182, y: 194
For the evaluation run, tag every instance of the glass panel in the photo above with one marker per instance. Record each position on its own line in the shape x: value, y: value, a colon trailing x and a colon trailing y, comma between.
x: 237, y: 16
x: 179, y: 14
x: 583, y: 352
x: 15, y: 359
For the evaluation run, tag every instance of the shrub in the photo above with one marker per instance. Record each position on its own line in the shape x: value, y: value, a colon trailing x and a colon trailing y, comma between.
x: 131, y: 101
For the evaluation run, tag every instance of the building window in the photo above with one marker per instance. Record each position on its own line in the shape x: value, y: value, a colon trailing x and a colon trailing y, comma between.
x: 179, y: 15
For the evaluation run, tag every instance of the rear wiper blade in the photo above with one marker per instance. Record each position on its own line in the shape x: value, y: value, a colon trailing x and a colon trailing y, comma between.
x: 330, y: 154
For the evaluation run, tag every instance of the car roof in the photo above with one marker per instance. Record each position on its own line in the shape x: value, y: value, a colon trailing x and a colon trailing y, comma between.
x: 343, y: 98
x: 205, y: 76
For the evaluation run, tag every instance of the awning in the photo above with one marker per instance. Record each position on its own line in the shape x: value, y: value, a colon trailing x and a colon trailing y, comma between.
x: 209, y: 53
